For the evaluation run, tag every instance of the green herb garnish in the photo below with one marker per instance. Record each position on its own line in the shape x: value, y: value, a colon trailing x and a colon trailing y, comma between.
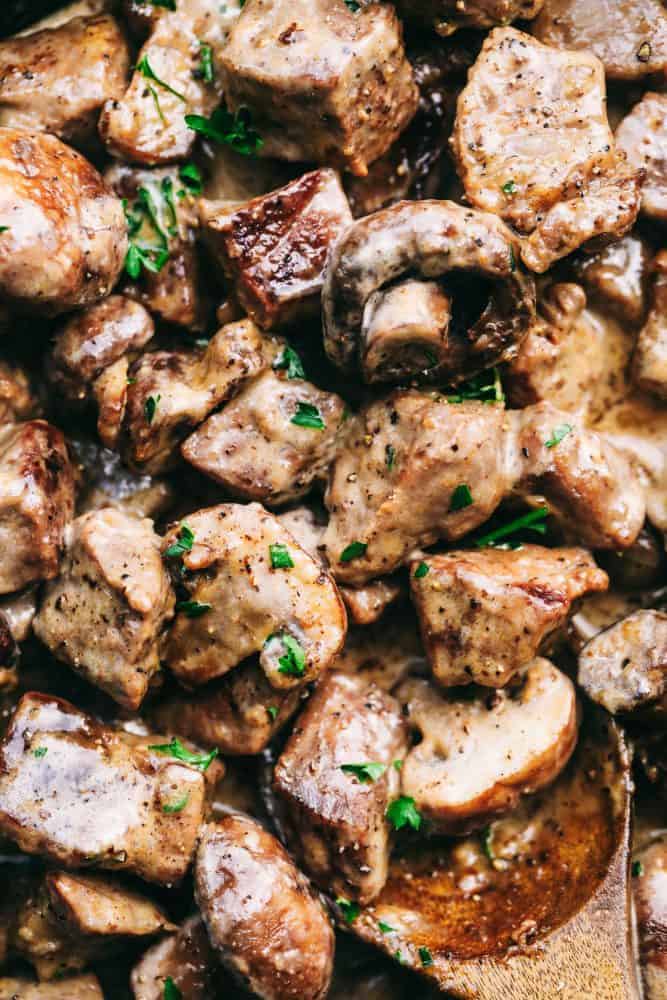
x: 280, y: 557
x: 206, y: 71
x: 403, y: 812
x: 167, y: 4
x: 177, y: 806
x: 150, y: 406
x: 3, y: 229
x: 426, y: 957
x: 461, y: 498
x: 272, y: 712
x: 308, y: 415
x: 191, y: 176
x: 293, y: 663
x: 228, y: 129
x: 421, y: 571
x: 480, y: 388
x: 40, y: 752
x: 487, y: 836
x: 176, y: 749
x: 171, y: 990
x: 509, y: 188
x: 149, y: 73
x: 557, y: 435
x: 365, y: 773
x: 289, y: 362
x: 353, y: 5
x: 350, y: 910
x: 637, y: 869
x: 183, y: 544
x: 526, y: 521
x: 353, y: 551
x: 385, y: 928
x: 390, y: 456
x: 193, y: 609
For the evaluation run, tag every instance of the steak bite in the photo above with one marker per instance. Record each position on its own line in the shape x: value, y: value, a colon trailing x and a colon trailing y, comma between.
x: 262, y: 918
x: 649, y: 364
x: 336, y: 779
x: 628, y: 36
x: 642, y: 136
x: 37, y: 502
x: 85, y: 987
x: 424, y: 240
x: 65, y: 236
x: 106, y: 612
x: 81, y: 793
x: 615, y: 277
x: 323, y: 84
x: 624, y: 668
x: 272, y: 442
x: 186, y: 958
x: 147, y: 124
x: 251, y: 589
x: 273, y: 248
x: 57, y: 80
x: 547, y: 166
x: 649, y: 890
x: 170, y: 392
x: 485, y: 613
x: 447, y: 16
x: 478, y: 756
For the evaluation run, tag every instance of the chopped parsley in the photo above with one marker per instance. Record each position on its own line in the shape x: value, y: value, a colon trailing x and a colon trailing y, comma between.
x: 171, y: 990
x: 512, y: 260
x: 272, y: 712
x: 349, y: 910
x: 487, y: 836
x: 150, y: 406
x: 390, y: 456
x: 398, y: 955
x: 365, y: 773
x: 557, y: 435
x: 40, y: 752
x: 289, y: 362
x: 280, y: 557
x: 530, y: 521
x: 4, y: 229
x: 176, y: 807
x: 426, y: 957
x: 353, y: 551
x: 403, y: 812
x: 149, y: 73
x: 398, y: 764
x: 206, y: 70
x: 421, y: 571
x: 480, y: 388
x: 385, y: 928
x: 167, y: 4
x: 637, y: 869
x: 308, y: 415
x: 190, y: 175
x: 148, y: 235
x: 293, y: 662
x: 509, y: 188
x: 176, y: 749
x: 193, y: 609
x: 353, y: 5
x: 228, y: 129
x: 183, y: 543
x: 461, y: 498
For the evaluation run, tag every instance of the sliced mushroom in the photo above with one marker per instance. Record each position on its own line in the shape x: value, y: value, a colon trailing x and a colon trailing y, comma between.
x: 429, y: 239
x: 649, y: 889
x: 624, y: 668
x: 478, y: 756
x: 649, y: 363
x: 615, y: 277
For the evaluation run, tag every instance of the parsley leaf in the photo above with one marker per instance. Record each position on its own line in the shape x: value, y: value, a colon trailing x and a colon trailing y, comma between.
x: 293, y: 662
x: 150, y: 406
x: 509, y: 188
x: 191, y: 176
x: 461, y: 498
x: 192, y: 609
x: 171, y: 990
x: 4, y: 229
x: 272, y: 712
x: 350, y: 910
x: 426, y: 957
x: 528, y: 521
x: 390, y: 456
x: 479, y: 387
x: 353, y: 551
x: 228, y: 129
x: 151, y: 255
x: 149, y: 73
x: 397, y: 764
x: 280, y: 557
x: 353, y: 5
x: 557, y: 435
x: 421, y: 571
x: 40, y: 752
x: 176, y: 807
x: 167, y: 4
x: 183, y: 544
x: 290, y: 362
x: 206, y: 70
x: 385, y: 928
x: 365, y: 773
x: 176, y: 749
x: 308, y: 415
x: 487, y: 836
x: 403, y: 812
x: 398, y: 955
x: 637, y: 869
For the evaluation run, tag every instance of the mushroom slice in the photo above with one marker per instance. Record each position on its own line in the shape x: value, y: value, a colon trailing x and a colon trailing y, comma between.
x: 547, y: 166
x: 478, y: 756
x: 642, y: 136
x: 485, y: 613
x: 447, y: 16
x: 624, y: 668
x: 540, y: 899
x: 628, y: 36
x: 186, y: 958
x: 262, y: 918
x: 649, y: 364
x: 251, y: 589
x: 336, y: 777
x: 429, y: 239
x: 649, y: 890
x: 615, y: 277
x: 85, y: 987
